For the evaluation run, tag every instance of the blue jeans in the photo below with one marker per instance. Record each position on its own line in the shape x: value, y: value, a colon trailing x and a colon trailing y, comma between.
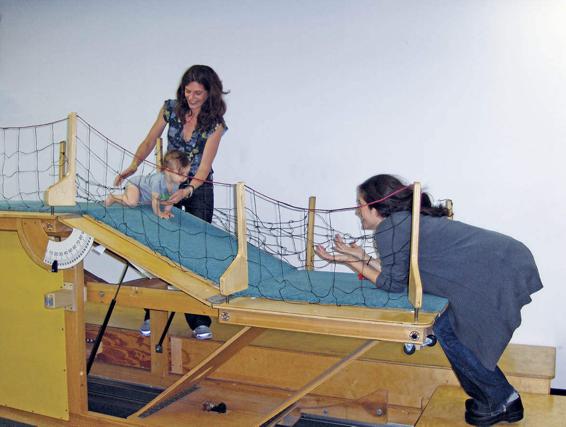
x: 201, y: 205
x: 488, y: 388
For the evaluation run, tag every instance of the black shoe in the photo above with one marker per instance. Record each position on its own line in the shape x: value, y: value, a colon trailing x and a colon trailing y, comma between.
x: 475, y: 406
x: 509, y: 411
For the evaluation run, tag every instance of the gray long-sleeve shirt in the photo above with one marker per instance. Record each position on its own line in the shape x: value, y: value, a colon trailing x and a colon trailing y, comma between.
x: 487, y: 277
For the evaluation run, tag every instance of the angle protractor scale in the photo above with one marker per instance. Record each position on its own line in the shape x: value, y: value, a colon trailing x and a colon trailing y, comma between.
x: 69, y: 252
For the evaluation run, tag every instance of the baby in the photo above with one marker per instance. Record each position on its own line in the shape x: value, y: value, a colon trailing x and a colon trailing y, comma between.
x: 156, y: 187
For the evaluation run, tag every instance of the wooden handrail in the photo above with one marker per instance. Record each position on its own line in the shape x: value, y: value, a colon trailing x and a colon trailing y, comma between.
x: 415, y: 283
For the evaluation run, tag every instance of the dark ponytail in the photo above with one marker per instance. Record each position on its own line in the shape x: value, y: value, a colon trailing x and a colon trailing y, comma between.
x: 383, y: 186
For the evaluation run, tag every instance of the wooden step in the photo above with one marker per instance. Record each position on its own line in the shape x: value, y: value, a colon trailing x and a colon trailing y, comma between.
x: 446, y: 409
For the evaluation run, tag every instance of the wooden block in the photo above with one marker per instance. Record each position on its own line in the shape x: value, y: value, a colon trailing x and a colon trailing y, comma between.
x: 121, y: 347
x: 446, y: 409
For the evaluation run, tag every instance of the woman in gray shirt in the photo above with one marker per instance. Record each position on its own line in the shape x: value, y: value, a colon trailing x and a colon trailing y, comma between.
x: 487, y: 278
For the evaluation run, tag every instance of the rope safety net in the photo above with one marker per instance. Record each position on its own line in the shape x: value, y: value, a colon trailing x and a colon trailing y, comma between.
x: 30, y: 162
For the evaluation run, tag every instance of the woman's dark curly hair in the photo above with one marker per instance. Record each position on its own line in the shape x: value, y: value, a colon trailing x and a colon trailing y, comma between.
x: 380, y: 186
x: 214, y: 108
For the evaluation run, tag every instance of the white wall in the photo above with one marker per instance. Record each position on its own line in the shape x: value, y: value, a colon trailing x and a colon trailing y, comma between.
x: 467, y: 96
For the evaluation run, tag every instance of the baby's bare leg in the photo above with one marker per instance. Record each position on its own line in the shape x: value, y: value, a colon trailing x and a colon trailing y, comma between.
x: 131, y: 196
x: 112, y: 198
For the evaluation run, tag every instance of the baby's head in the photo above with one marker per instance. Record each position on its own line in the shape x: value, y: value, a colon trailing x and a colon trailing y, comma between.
x: 176, y: 166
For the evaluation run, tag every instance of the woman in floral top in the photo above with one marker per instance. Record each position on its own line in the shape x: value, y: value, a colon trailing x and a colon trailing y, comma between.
x: 196, y: 125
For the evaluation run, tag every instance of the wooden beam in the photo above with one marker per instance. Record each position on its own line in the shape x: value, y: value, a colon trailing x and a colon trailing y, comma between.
x: 355, y: 322
x: 203, y: 370
x: 288, y: 405
x: 156, y: 264
x: 148, y: 297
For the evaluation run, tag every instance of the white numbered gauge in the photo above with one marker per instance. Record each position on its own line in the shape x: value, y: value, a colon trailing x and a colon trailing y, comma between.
x: 68, y: 252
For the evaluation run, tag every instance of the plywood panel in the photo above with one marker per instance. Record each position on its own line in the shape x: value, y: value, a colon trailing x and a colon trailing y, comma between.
x: 33, y: 357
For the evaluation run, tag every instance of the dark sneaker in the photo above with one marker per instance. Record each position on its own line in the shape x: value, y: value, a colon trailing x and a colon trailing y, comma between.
x: 202, y: 332
x: 145, y: 329
x: 510, y: 411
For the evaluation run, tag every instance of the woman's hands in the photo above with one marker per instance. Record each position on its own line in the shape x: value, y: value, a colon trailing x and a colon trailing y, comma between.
x: 353, y: 256
x: 146, y: 147
x: 125, y: 174
x: 180, y: 194
x: 344, y: 253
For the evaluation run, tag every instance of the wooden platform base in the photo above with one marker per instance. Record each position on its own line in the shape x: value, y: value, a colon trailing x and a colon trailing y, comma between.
x: 446, y: 409
x: 384, y: 385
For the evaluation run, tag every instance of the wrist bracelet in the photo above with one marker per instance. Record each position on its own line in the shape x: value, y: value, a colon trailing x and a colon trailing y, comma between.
x: 192, y: 190
x: 370, y: 258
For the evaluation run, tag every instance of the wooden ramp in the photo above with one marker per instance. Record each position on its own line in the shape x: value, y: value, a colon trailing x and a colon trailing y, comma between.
x: 33, y: 230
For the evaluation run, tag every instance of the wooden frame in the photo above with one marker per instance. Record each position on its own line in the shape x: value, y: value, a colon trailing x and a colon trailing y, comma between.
x: 255, y: 315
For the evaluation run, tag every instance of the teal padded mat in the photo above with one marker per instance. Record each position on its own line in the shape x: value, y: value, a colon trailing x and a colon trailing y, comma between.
x: 208, y: 250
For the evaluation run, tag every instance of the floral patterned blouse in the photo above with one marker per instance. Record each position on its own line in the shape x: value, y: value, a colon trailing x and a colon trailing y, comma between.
x: 194, y: 147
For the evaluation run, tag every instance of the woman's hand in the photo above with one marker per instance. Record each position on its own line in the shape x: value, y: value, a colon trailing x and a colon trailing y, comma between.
x: 345, y: 253
x: 180, y: 194
x: 125, y: 174
x: 351, y: 249
x: 333, y: 257
x: 146, y: 147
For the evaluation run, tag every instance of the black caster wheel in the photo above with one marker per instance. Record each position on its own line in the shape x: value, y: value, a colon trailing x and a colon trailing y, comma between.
x: 409, y: 349
x: 430, y: 340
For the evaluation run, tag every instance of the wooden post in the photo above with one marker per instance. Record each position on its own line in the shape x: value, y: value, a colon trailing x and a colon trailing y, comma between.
x: 450, y: 208
x: 64, y: 192
x: 62, y: 153
x: 75, y: 336
x: 415, y: 284
x: 235, y: 278
x: 159, y: 153
x: 309, y: 258
x: 159, y: 361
